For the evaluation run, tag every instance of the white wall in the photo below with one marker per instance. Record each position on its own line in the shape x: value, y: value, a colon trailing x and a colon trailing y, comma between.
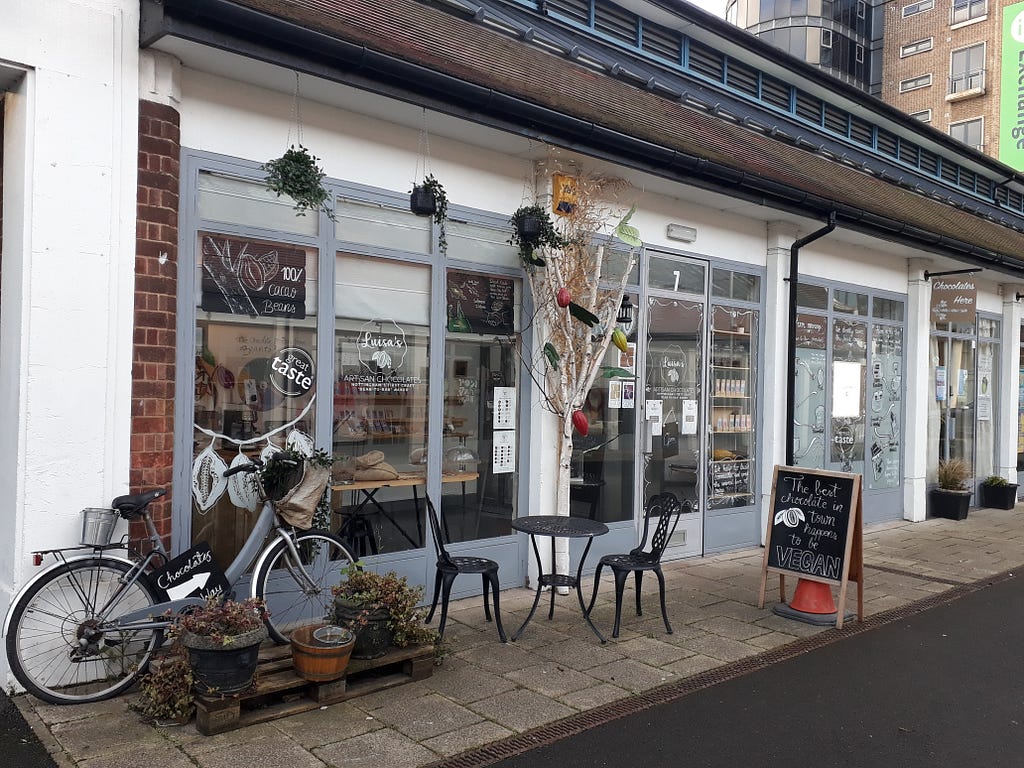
x: 69, y: 246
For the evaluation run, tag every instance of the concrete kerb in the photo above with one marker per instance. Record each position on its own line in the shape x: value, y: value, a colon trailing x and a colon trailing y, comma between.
x: 558, y: 677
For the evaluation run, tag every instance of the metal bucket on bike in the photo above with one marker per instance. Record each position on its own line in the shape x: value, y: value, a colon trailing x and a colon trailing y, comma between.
x: 97, y: 526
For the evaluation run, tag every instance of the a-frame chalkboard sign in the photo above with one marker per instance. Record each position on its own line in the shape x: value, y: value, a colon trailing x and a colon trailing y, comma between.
x: 815, y: 532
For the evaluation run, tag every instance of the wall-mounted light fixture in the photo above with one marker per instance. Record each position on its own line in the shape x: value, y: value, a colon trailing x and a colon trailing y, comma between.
x: 681, y: 232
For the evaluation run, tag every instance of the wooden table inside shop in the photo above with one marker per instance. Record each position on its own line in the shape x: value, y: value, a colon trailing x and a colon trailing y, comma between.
x: 355, y: 524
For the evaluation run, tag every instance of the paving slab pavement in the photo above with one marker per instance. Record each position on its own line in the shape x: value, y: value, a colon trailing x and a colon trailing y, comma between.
x: 484, y: 693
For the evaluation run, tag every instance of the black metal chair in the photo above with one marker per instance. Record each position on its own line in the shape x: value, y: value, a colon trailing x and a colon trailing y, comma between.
x: 667, y: 509
x: 448, y: 567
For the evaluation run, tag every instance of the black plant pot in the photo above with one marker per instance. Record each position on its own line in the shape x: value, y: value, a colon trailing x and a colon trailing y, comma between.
x: 951, y: 505
x: 422, y: 202
x: 999, y: 496
x: 373, y: 636
x: 224, y: 668
x: 529, y: 227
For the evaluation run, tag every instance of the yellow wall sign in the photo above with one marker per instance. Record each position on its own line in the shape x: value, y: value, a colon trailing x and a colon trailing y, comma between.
x: 563, y: 198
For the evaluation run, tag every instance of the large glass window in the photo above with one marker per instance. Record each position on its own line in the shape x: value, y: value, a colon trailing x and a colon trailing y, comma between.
x: 255, y: 373
x: 965, y: 10
x: 382, y: 363
x: 480, y: 434
x: 967, y: 69
x: 970, y: 132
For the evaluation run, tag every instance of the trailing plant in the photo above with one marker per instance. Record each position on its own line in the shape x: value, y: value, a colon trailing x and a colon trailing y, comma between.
x: 440, y: 215
x: 953, y: 474
x: 386, y: 591
x: 166, y: 690
x: 297, y: 173
x: 223, y: 620
x: 548, y: 236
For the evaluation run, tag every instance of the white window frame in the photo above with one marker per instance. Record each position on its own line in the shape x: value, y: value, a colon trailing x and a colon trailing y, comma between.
x: 914, y: 83
x: 919, y: 7
x: 981, y: 123
x: 968, y: 76
x: 917, y: 46
x: 826, y: 38
x: 924, y: 115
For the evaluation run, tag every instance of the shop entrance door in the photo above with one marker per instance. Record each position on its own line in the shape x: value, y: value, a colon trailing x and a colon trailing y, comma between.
x: 674, y: 463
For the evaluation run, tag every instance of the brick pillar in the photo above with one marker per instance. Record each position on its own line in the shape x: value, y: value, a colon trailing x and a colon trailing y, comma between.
x: 156, y: 290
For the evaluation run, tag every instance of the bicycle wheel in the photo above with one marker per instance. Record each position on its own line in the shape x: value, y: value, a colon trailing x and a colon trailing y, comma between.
x: 58, y: 647
x: 291, y: 600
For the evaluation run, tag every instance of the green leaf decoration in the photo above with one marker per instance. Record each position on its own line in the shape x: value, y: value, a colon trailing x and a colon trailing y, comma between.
x: 627, y: 233
x: 552, y: 355
x: 614, y: 372
x: 585, y: 316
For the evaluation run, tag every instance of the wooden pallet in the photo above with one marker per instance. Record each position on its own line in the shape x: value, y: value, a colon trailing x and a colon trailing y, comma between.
x: 279, y: 692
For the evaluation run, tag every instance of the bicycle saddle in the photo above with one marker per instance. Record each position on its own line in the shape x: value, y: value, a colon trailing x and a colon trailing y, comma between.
x: 132, y: 504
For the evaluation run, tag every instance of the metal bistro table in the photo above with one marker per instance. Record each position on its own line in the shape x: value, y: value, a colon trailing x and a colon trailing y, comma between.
x: 559, y: 526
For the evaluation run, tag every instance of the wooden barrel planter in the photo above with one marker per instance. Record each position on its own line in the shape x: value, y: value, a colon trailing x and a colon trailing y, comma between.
x: 320, y: 657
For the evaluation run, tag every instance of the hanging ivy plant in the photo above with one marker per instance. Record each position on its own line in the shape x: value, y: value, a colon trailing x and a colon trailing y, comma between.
x: 297, y: 173
x: 532, y: 228
x: 428, y: 198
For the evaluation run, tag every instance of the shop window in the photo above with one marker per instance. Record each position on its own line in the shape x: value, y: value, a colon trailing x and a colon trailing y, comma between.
x: 481, y: 434
x: 255, y: 372
x: 380, y: 407
x: 481, y: 244
x: 811, y: 296
x: 382, y: 226
x: 849, y: 360
x: 669, y: 274
x: 849, y: 302
x: 810, y: 392
x: 238, y: 201
x: 726, y: 284
x: 887, y: 309
x: 885, y: 397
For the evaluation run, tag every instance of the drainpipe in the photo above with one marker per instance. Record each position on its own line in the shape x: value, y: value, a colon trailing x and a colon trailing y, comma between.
x: 794, y: 269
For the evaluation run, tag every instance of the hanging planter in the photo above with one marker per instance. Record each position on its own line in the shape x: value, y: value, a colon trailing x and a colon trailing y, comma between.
x: 298, y: 175
x: 532, y: 228
x: 428, y: 198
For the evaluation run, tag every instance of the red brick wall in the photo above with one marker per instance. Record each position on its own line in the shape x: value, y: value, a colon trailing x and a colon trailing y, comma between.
x: 156, y: 289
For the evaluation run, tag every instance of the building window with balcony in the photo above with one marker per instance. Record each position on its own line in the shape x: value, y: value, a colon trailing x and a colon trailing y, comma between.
x: 920, y: 7
x: 968, y: 10
x: 967, y: 69
x: 913, y: 83
x: 918, y: 46
x: 970, y: 132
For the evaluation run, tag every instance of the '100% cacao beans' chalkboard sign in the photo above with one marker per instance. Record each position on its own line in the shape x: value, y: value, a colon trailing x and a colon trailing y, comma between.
x: 814, y: 530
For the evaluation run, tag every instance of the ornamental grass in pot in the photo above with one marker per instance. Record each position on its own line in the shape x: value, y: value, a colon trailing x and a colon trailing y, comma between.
x: 952, y: 499
x: 381, y: 609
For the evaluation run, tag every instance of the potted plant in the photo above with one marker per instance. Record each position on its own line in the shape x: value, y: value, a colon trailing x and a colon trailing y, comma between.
x: 381, y: 609
x: 532, y: 228
x: 223, y: 640
x: 952, y: 498
x: 297, y: 483
x: 428, y: 198
x: 297, y: 173
x: 998, y: 492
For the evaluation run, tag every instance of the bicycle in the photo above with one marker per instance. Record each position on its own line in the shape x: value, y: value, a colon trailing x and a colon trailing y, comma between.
x: 84, y: 629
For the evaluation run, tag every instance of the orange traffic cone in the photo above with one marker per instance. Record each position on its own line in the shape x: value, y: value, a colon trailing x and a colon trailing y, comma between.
x: 812, y: 603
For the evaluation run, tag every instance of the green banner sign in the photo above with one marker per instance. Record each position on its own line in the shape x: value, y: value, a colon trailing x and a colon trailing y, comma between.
x: 1011, y: 106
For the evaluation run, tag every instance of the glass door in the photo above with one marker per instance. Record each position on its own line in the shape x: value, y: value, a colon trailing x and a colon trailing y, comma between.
x: 673, y: 467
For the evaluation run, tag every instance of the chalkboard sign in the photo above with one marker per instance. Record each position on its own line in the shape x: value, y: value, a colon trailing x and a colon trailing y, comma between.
x: 480, y: 303
x: 247, y: 277
x: 193, y: 573
x: 814, y: 529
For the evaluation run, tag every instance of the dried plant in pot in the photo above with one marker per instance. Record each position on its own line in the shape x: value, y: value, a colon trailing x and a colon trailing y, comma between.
x: 165, y: 691
x: 998, y: 492
x: 952, y: 498
x: 381, y: 608
x: 223, y: 639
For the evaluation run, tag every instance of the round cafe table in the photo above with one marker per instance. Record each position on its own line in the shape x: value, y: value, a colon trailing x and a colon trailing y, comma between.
x: 559, y: 527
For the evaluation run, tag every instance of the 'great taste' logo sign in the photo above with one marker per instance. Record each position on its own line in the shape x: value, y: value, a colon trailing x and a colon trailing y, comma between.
x: 381, y: 346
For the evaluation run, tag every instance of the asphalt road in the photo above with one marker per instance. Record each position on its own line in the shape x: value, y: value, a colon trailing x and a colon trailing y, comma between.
x: 939, y: 689
x: 19, y: 747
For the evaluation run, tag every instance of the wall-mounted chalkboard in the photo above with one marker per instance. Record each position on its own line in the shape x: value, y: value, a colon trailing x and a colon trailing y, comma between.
x: 480, y: 303
x: 814, y: 529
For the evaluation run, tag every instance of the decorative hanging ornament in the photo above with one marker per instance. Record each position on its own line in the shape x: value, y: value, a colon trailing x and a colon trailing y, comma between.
x: 579, y: 421
x: 619, y: 340
x: 244, y: 488
x: 208, y: 481
x: 563, y: 297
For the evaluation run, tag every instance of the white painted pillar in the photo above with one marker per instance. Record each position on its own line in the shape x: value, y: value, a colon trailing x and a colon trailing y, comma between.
x: 1009, y: 382
x: 916, y: 392
x: 772, y: 434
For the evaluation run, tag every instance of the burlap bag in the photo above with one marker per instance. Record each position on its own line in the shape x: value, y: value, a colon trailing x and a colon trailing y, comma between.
x: 298, y: 506
x: 379, y: 471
